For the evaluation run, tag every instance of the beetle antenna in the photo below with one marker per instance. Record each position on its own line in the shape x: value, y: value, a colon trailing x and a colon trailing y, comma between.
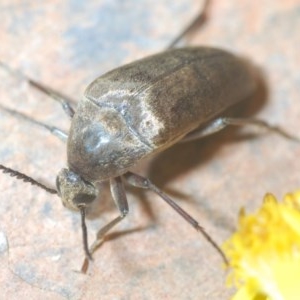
x: 26, y: 178
x: 84, y: 233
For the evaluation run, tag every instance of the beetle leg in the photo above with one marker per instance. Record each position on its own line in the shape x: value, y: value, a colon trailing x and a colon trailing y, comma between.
x: 222, y: 122
x: 120, y: 199
x: 54, y: 130
x: 119, y: 196
x: 211, y: 128
x: 195, y: 24
x: 145, y: 183
x: 65, y: 104
x: 67, y: 107
x: 261, y: 124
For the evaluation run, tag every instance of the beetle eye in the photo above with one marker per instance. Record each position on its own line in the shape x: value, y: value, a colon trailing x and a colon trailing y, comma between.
x: 85, y: 199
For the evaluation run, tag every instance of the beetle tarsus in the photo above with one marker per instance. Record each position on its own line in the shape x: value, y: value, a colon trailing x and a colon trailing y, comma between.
x: 261, y: 124
x: 144, y: 183
x: 66, y: 105
x: 52, y: 129
x: 197, y: 22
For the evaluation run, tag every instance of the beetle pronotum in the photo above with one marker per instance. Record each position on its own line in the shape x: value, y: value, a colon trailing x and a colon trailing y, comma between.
x: 140, y: 109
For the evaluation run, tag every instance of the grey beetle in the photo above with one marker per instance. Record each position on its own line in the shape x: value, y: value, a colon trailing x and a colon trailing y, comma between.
x: 142, y: 108
x: 138, y: 110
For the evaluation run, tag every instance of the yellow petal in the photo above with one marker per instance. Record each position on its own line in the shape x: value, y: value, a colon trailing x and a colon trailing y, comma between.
x: 264, y: 252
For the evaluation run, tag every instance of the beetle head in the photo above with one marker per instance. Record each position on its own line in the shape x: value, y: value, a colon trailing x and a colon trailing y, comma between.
x: 75, y: 192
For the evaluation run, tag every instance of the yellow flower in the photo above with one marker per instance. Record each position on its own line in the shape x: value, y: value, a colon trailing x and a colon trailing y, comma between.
x: 264, y: 253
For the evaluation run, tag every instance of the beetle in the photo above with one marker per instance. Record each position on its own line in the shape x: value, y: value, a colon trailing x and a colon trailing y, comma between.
x: 138, y: 110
